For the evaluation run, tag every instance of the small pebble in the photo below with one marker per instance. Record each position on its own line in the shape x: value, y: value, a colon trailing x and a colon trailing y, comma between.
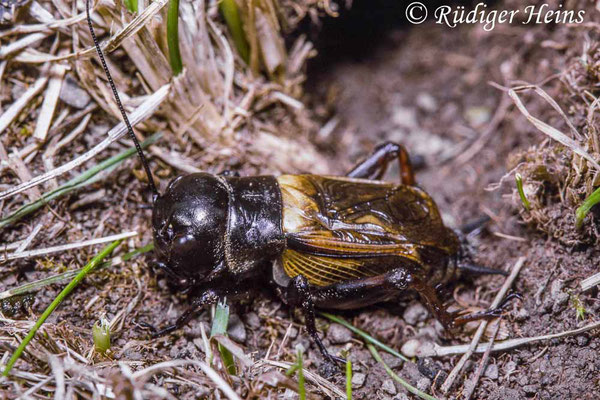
x: 410, y: 347
x: 414, y: 313
x: 560, y: 302
x: 426, y: 102
x: 358, y: 379
x: 338, y: 334
x: 491, y: 371
x: 72, y: 94
x: 530, y: 389
x: 236, y: 329
x: 252, y: 320
x: 391, y: 360
x: 405, y: 117
x: 522, y: 314
x: 424, y: 384
x: 582, y: 340
x: 389, y: 387
x: 477, y: 116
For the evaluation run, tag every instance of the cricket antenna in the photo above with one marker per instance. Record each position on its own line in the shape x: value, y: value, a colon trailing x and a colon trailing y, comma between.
x: 120, y: 105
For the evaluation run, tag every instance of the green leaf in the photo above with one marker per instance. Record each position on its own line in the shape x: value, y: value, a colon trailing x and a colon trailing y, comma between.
x: 131, y: 5
x: 219, y: 327
x: 101, y: 335
x: 173, y: 37
x: 585, y: 207
x: 230, y: 12
x: 519, y: 181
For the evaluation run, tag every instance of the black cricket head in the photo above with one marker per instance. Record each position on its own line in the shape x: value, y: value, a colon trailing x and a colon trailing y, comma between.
x: 190, y: 223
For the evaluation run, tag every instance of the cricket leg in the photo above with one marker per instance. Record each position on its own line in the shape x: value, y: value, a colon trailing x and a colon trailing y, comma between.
x: 374, y: 166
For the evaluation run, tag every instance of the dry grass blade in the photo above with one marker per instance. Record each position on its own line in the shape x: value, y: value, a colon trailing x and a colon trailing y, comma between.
x: 64, y: 247
x: 497, y: 300
x: 107, y: 46
x: 15, y: 108
x: 145, y: 110
x: 590, y: 282
x: 547, y: 129
x: 482, y: 365
x: 435, y: 350
x: 42, y: 126
x: 18, y: 45
x: 25, y: 243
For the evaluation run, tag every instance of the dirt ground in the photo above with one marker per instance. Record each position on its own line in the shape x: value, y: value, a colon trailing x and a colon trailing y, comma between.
x: 428, y: 87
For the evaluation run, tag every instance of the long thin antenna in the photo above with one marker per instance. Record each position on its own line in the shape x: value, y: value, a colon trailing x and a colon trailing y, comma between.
x: 119, y: 104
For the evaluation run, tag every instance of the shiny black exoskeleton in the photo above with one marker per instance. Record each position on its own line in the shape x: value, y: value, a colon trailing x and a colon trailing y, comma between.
x: 207, y: 226
x: 322, y: 241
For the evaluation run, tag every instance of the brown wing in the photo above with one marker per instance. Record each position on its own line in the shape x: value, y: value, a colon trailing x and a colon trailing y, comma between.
x: 330, y: 219
x: 323, y: 271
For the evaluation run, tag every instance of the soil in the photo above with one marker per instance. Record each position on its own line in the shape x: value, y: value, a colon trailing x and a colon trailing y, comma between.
x: 428, y: 87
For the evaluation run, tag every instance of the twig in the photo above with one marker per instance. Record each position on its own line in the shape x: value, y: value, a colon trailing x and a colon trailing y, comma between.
x: 435, y: 350
x: 22, y: 43
x: 497, y: 300
x: 70, y: 246
x: 482, y: 364
x: 590, y: 282
x: 145, y: 110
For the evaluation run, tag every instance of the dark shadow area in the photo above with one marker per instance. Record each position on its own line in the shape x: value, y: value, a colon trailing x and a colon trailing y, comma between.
x: 357, y: 33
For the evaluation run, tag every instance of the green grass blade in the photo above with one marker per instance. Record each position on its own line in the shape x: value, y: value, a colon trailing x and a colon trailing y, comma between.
x: 219, y: 327
x: 585, y: 207
x: 348, y: 379
x: 301, y: 383
x: 519, y: 181
x: 173, y: 37
x: 298, y: 367
x: 88, y: 177
x: 131, y: 5
x: 101, y: 335
x: 36, y: 285
x: 395, y: 377
x: 231, y: 15
x: 364, y: 335
x: 55, y: 303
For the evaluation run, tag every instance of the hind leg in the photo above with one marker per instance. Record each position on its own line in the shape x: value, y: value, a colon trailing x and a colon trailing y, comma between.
x: 366, y: 291
x: 374, y: 166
